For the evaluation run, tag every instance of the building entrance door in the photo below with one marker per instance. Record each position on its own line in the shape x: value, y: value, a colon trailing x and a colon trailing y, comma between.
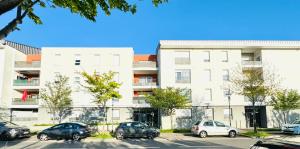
x: 149, y: 116
x: 261, y: 117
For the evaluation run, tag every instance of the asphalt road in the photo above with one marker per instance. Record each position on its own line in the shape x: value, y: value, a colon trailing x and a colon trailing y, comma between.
x: 157, y: 143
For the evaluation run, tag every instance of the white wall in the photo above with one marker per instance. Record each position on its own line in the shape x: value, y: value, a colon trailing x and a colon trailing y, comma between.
x: 197, y: 66
x: 65, y: 64
x: 2, y: 60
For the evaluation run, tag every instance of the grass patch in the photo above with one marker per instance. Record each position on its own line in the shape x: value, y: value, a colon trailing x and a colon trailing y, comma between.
x: 43, y: 125
x: 102, y: 135
x: 259, y: 134
x: 268, y: 129
x: 175, y: 131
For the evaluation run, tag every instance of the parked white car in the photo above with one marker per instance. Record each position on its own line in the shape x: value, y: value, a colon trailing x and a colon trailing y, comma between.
x: 289, y: 128
x: 210, y: 127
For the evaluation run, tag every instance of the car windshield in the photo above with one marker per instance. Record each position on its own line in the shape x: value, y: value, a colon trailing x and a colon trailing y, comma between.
x: 198, y: 122
x: 296, y: 122
x: 8, y: 124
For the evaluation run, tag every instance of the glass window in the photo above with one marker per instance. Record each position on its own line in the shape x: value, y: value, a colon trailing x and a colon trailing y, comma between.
x: 116, y: 60
x: 182, y: 57
x: 117, y: 77
x: 206, y: 56
x: 207, y: 74
x: 208, y: 123
x: 219, y: 124
x: 226, y: 92
x: 224, y: 56
x: 182, y: 76
x: 226, y: 75
x: 57, y: 126
x: 68, y: 126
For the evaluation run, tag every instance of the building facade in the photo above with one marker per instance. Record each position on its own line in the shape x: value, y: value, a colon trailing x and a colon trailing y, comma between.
x: 201, y: 67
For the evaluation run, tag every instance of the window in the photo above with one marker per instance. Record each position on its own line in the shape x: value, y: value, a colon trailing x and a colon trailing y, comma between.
x: 209, y: 113
x: 57, y: 54
x: 226, y: 113
x: 226, y: 92
x: 224, y: 56
x: 206, y: 56
x: 116, y: 114
x: 226, y: 75
x: 207, y: 94
x: 183, y: 113
x: 188, y: 93
x: 208, y: 123
x: 182, y: 76
x: 207, y: 75
x: 219, y: 124
x: 77, y: 59
x: 116, y: 60
x: 182, y: 57
x: 76, y: 84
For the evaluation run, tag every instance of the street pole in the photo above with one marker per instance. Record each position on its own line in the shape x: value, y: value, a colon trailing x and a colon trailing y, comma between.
x: 229, y: 98
x: 112, y: 115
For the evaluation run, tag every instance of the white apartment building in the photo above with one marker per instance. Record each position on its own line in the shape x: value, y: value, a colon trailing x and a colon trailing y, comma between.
x: 202, y: 67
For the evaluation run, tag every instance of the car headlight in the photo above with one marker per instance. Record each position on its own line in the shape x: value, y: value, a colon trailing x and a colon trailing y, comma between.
x: 12, y: 131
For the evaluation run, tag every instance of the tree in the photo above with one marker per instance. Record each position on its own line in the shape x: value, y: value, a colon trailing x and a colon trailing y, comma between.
x: 103, y: 88
x: 85, y: 8
x: 56, y: 97
x: 168, y: 100
x: 255, y: 84
x: 285, y: 101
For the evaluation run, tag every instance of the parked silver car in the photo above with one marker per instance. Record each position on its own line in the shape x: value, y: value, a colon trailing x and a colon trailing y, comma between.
x: 210, y: 127
x: 289, y: 128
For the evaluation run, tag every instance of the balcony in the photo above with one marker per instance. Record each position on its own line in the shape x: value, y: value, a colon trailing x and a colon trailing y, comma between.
x: 252, y: 64
x: 142, y: 67
x: 182, y: 61
x: 31, y: 82
x: 29, y: 101
x: 24, y: 64
x: 140, y: 101
x: 144, y: 85
x: 150, y: 64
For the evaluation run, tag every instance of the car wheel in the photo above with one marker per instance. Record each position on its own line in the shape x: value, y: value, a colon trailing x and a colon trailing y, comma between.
x: 43, y: 137
x: 120, y: 135
x: 203, y: 134
x: 150, y: 136
x: 232, y: 134
x: 76, y: 137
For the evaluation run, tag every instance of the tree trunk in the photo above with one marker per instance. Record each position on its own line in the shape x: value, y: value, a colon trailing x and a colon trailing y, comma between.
x: 254, y: 117
x: 284, y: 117
x: 7, y: 5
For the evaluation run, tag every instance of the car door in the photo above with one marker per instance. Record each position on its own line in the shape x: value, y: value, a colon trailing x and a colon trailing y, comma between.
x: 209, y: 127
x: 221, y: 128
x: 136, y: 128
x: 140, y: 129
x: 55, y: 132
x: 67, y: 131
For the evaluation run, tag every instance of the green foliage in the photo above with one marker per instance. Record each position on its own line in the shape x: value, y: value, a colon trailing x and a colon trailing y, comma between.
x: 168, y: 99
x: 102, y: 87
x: 285, y: 101
x: 175, y: 130
x: 43, y: 125
x: 260, y: 134
x: 102, y: 135
x: 56, y: 97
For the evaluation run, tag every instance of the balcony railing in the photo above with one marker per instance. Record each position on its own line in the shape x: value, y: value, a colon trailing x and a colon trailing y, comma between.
x: 251, y: 63
x: 182, y: 61
x: 31, y: 82
x: 139, y: 100
x: 23, y: 64
x: 151, y: 64
x: 144, y: 83
x: 186, y: 80
x: 28, y: 101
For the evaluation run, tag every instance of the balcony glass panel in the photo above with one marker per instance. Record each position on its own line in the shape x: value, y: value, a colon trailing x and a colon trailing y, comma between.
x: 31, y: 82
x: 29, y: 101
x: 23, y: 64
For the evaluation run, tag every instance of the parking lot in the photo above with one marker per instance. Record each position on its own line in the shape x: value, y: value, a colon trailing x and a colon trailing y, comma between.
x: 165, y: 141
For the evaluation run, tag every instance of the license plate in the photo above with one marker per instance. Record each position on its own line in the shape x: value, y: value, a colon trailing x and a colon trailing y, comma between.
x: 26, y: 132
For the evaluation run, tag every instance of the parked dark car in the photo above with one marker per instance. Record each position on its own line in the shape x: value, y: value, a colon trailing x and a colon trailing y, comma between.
x: 285, y: 142
x: 11, y: 131
x: 73, y: 131
x: 136, y: 130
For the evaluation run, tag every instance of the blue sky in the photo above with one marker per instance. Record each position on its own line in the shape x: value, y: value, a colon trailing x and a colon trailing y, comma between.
x: 176, y: 20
